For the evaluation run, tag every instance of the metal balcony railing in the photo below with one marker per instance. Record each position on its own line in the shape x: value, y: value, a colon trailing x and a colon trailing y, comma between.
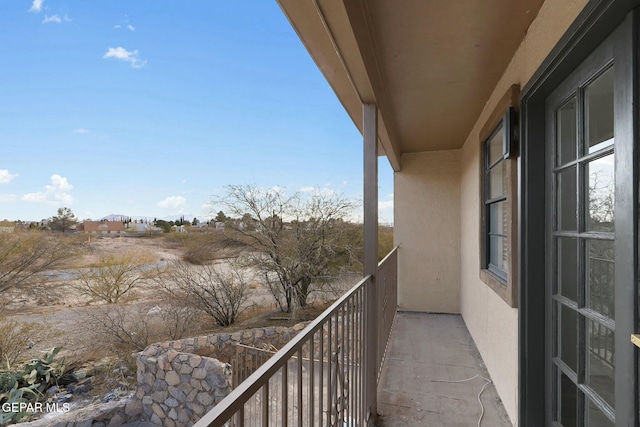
x: 318, y: 378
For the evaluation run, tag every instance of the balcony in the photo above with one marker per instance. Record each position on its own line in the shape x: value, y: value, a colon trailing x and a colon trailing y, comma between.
x: 420, y: 369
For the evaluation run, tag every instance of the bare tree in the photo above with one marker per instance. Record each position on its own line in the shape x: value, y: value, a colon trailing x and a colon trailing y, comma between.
x: 298, y: 243
x: 114, y: 275
x: 24, y: 255
x: 220, y: 293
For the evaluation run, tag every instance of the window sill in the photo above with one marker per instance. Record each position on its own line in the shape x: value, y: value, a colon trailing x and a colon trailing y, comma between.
x: 500, y: 286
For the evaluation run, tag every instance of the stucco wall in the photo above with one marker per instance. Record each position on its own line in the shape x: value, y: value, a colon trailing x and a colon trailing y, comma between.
x: 437, y: 221
x: 491, y: 322
x: 427, y: 229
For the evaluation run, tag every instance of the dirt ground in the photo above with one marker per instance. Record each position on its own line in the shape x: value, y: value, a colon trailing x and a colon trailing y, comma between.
x: 60, y: 308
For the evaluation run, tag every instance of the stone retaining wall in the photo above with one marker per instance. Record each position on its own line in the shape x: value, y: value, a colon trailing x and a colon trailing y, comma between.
x: 179, y: 381
x: 177, y: 389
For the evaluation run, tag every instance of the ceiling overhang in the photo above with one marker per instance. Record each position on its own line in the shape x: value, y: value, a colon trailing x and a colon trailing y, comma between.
x: 430, y: 66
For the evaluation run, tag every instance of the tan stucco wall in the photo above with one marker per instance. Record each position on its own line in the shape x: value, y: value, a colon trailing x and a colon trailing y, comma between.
x: 491, y: 322
x: 427, y: 229
x: 436, y: 273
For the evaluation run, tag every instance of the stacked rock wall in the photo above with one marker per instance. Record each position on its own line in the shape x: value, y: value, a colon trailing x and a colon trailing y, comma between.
x: 179, y: 381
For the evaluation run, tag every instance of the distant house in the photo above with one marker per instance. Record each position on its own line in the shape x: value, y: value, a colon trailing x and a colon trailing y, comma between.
x: 101, y: 227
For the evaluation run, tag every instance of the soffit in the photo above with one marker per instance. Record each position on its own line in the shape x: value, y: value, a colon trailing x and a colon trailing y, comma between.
x: 429, y: 65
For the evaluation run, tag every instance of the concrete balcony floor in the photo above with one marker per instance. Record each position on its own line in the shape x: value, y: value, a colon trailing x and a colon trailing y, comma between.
x: 428, y: 356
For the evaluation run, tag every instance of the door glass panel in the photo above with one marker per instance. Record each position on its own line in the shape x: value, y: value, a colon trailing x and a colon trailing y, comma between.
x: 568, y: 267
x: 568, y: 402
x: 601, y: 360
x: 596, y: 418
x: 568, y: 337
x: 497, y: 182
x: 600, y: 272
x: 599, y: 112
x: 566, y: 144
x: 601, y: 194
x: 567, y: 197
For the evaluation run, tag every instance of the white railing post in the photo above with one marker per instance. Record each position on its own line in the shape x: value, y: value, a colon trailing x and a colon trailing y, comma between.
x: 370, y: 134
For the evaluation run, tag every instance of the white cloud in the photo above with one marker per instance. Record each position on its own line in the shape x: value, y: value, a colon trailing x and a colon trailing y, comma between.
x: 53, y: 18
x: 54, y: 194
x: 131, y: 27
x: 307, y: 189
x: 123, y: 54
x: 6, y: 176
x: 172, y: 202
x: 81, y: 130
x: 36, y: 6
x: 117, y: 27
x: 387, y: 204
x: 7, y: 198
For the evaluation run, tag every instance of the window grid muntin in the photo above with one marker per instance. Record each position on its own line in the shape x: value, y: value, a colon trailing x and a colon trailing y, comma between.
x: 585, y: 392
x: 489, y: 201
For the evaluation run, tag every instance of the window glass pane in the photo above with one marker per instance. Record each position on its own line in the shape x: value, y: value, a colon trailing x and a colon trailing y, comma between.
x: 497, y: 252
x: 568, y: 267
x: 596, y: 418
x: 497, y: 180
x: 498, y: 218
x: 566, y: 126
x: 567, y: 197
x: 601, y: 194
x: 600, y: 373
x: 568, y: 402
x: 568, y: 337
x: 495, y: 146
x: 600, y: 266
x: 599, y: 112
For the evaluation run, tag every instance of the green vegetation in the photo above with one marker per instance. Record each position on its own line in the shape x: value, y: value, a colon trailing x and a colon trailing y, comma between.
x: 28, y: 382
x: 63, y: 221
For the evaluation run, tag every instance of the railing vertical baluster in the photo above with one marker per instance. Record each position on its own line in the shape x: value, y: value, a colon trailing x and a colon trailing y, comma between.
x: 351, y: 363
x: 285, y: 394
x: 321, y: 375
x: 240, y: 417
x: 265, y: 405
x: 312, y: 363
x: 343, y: 398
x: 300, y: 392
x: 337, y: 351
x: 329, y: 367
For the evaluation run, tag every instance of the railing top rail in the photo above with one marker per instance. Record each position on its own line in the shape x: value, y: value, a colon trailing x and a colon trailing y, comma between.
x: 238, y: 397
x: 389, y: 255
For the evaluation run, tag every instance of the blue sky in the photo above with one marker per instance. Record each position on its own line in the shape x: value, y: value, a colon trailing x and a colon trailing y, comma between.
x: 150, y: 108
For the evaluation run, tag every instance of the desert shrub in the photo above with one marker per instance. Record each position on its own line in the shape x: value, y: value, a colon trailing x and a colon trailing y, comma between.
x: 202, y: 248
x: 24, y: 255
x: 132, y: 328
x: 18, y: 337
x: 114, y: 275
x: 219, y: 292
x: 29, y: 381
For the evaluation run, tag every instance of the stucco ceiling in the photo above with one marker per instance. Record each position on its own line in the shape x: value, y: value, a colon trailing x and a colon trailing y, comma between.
x: 429, y: 65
